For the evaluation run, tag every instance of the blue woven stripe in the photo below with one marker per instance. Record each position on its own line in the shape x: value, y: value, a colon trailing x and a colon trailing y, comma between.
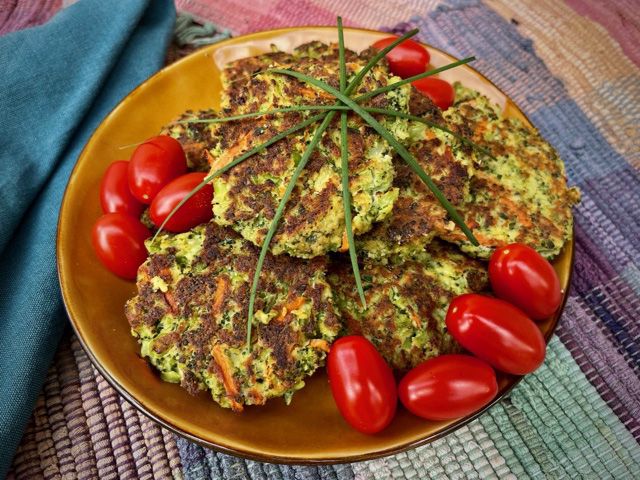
x: 200, y: 463
x: 628, y: 342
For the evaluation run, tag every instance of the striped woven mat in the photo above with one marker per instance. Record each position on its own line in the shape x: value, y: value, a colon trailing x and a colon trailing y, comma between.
x: 573, y: 67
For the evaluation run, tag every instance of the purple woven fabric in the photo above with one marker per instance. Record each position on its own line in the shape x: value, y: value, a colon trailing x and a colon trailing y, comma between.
x: 19, y: 14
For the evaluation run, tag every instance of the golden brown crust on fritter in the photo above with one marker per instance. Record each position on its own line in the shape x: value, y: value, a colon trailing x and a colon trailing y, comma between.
x: 406, y: 303
x: 248, y: 195
x: 191, y: 316
x: 417, y: 215
x: 522, y: 194
x: 195, y: 138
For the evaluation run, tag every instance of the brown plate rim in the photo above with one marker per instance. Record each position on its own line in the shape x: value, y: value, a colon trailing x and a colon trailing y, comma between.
x: 271, y: 458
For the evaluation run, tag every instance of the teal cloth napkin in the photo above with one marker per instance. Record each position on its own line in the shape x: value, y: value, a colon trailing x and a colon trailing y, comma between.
x: 57, y: 82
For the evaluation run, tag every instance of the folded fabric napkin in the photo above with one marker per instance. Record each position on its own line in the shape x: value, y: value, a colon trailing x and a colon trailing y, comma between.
x: 58, y: 82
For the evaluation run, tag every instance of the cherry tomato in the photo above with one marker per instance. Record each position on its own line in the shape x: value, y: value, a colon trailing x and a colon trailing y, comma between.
x: 154, y: 164
x: 439, y: 91
x: 447, y: 387
x: 407, y: 59
x: 523, y: 277
x: 115, y: 195
x: 195, y: 211
x: 118, y: 240
x: 496, y: 332
x: 362, y: 384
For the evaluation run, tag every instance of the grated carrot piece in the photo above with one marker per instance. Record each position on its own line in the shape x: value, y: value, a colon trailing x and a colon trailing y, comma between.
x: 345, y: 242
x: 222, y: 284
x: 227, y: 377
x: 319, y: 344
x: 168, y: 296
x: 294, y: 304
x: 522, y: 216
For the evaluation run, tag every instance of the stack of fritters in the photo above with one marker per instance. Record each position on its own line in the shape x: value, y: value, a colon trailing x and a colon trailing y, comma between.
x: 191, y: 311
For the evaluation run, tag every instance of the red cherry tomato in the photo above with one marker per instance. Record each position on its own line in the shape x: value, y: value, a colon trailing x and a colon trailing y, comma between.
x: 195, y: 211
x: 439, y: 91
x: 115, y: 195
x: 407, y: 59
x: 496, y: 332
x: 154, y: 164
x: 447, y: 387
x: 362, y: 384
x: 523, y: 277
x: 118, y: 240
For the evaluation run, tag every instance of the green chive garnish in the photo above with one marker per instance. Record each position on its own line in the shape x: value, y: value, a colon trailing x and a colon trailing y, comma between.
x: 344, y: 171
x: 383, y: 132
x: 280, y: 210
x: 400, y: 83
x: 344, y: 104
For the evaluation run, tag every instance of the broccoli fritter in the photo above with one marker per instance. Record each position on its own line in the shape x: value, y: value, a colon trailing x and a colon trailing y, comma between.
x: 521, y: 195
x: 194, y: 137
x: 247, y: 196
x: 407, y: 303
x: 417, y: 216
x: 190, y: 317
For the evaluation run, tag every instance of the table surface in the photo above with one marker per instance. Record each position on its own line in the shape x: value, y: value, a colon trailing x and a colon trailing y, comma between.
x: 573, y: 67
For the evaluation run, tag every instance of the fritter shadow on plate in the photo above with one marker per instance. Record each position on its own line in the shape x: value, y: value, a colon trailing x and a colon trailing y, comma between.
x: 190, y: 316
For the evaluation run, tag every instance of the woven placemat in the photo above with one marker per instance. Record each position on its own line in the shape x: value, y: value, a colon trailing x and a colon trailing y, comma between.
x: 573, y: 68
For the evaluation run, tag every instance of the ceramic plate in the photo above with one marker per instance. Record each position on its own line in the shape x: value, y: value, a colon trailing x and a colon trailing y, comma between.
x: 310, y: 430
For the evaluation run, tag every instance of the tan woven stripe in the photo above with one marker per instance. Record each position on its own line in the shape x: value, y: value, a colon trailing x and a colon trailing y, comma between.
x: 78, y: 422
x: 116, y: 429
x: 105, y: 463
x: 46, y: 413
x: 64, y: 369
x: 82, y: 428
x: 136, y: 438
x: 81, y: 450
x: 597, y: 73
x: 155, y: 448
x: 27, y: 463
x: 172, y: 453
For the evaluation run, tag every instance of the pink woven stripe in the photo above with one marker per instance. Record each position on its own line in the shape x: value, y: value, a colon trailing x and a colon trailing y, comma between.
x: 156, y: 452
x: 86, y: 464
x: 58, y: 423
x: 19, y: 14
x: 26, y: 463
x: 136, y: 439
x: 621, y: 18
x: 243, y: 17
x: 49, y: 412
x: 172, y: 450
x: 116, y: 429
